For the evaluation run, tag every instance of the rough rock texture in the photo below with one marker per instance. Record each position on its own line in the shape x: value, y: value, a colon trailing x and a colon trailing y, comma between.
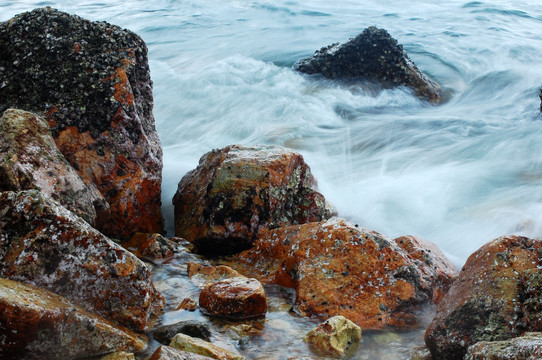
x: 334, y: 335
x: 237, y: 298
x: 527, y: 347
x: 151, y: 246
x: 43, y: 244
x: 123, y: 355
x: 375, y: 56
x: 38, y: 324
x: 340, y: 269
x: 200, y: 347
x: 237, y: 191
x: 169, y: 353
x: 29, y: 159
x: 497, y: 296
x: 432, y: 262
x: 193, y: 328
x: 91, y: 82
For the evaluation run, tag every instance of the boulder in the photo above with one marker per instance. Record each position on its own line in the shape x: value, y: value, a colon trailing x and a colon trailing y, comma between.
x: 169, y: 353
x: 372, y: 56
x: 38, y: 324
x: 200, y: 347
x: 29, y: 159
x: 44, y: 244
x: 151, y: 246
x: 91, y: 82
x: 526, y: 347
x: 496, y: 297
x: 237, y: 191
x: 338, y: 268
x: 237, y: 298
x: 334, y: 335
x: 165, y: 333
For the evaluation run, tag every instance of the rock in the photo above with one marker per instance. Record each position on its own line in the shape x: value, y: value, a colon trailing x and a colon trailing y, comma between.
x: 91, y: 82
x: 200, y: 347
x: 334, y: 335
x: 187, y: 304
x: 237, y: 191
x: 165, y: 333
x: 169, y: 353
x: 203, y: 275
x: 430, y: 260
x: 373, y: 56
x: 301, y: 358
x: 420, y: 353
x: 36, y: 323
x: 496, y: 297
x: 150, y: 246
x: 44, y: 244
x: 338, y: 268
x: 119, y: 356
x: 526, y: 347
x: 237, y: 298
x: 29, y: 159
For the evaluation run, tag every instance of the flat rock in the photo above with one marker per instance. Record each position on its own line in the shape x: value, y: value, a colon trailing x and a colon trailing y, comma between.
x: 334, y: 335
x: 201, y: 347
x: 526, y: 347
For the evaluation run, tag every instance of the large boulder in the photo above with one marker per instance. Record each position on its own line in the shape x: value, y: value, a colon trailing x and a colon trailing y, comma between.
x: 237, y: 191
x: 38, y: 324
x: 526, y: 347
x: 44, y: 244
x: 29, y: 159
x: 338, y: 268
x: 373, y: 56
x: 496, y: 297
x: 91, y: 82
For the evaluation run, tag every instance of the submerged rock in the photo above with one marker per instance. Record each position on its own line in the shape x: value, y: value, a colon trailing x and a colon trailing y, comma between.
x: 169, y: 353
x: 91, y: 82
x: 338, y: 268
x: 122, y: 355
x: 165, y: 333
x: 38, y: 324
x: 496, y: 297
x: 374, y: 56
x: 200, y: 347
x: 334, y: 335
x: 526, y: 347
x: 29, y: 159
x: 237, y: 191
x: 44, y: 244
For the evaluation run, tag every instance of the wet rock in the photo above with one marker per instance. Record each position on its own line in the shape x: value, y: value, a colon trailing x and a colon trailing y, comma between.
x: 38, y: 324
x: 91, y: 82
x: 526, y: 347
x: 119, y: 356
x: 338, y: 268
x: 203, y: 275
x: 44, y: 244
x: 496, y: 297
x: 420, y: 353
x: 169, y: 353
x: 373, y: 56
x: 29, y: 159
x: 151, y: 246
x: 165, y: 333
x: 237, y: 191
x: 200, y: 347
x: 187, y: 304
x: 238, y: 298
x: 334, y: 335
x: 301, y: 358
x: 432, y: 262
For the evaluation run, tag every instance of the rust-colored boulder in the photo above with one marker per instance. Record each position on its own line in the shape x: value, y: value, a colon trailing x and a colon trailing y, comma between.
x: 29, y: 159
x: 151, y: 246
x: 169, y: 353
x: 38, y: 324
x: 44, y: 244
x: 526, y: 347
x: 237, y: 191
x: 91, y: 82
x: 338, y: 268
x: 496, y: 297
x: 238, y: 298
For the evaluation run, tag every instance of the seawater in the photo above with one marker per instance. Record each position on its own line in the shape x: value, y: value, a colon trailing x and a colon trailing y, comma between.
x: 458, y: 174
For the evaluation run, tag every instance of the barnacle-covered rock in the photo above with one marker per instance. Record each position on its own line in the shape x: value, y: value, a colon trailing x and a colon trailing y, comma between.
x: 91, y: 82
x: 373, y: 56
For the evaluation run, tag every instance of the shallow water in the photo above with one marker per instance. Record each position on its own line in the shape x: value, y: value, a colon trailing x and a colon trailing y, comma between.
x: 458, y: 174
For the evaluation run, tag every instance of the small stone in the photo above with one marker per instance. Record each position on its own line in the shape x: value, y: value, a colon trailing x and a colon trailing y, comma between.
x: 420, y: 353
x: 169, y: 353
x: 203, y: 275
x: 187, y: 304
x: 200, y: 347
x: 150, y: 246
x: 334, y: 335
x: 193, y: 328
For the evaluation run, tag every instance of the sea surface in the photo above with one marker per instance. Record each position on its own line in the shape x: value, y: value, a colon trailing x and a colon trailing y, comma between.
x: 458, y: 174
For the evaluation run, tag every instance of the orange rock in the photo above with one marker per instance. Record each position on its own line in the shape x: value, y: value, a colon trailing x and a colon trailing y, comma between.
x: 238, y: 298
x: 169, y: 353
x: 496, y: 297
x: 187, y: 304
x: 202, y: 274
x: 338, y: 268
x: 150, y: 246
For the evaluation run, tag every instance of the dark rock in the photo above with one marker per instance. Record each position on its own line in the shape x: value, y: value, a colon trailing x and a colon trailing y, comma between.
x: 44, y: 244
x: 91, y: 82
x: 169, y: 353
x: 497, y: 296
x: 193, y: 328
x: 237, y: 191
x: 373, y: 56
x: 526, y: 347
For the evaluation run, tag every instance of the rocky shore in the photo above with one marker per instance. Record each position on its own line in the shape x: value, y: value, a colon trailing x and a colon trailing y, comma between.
x: 81, y: 230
